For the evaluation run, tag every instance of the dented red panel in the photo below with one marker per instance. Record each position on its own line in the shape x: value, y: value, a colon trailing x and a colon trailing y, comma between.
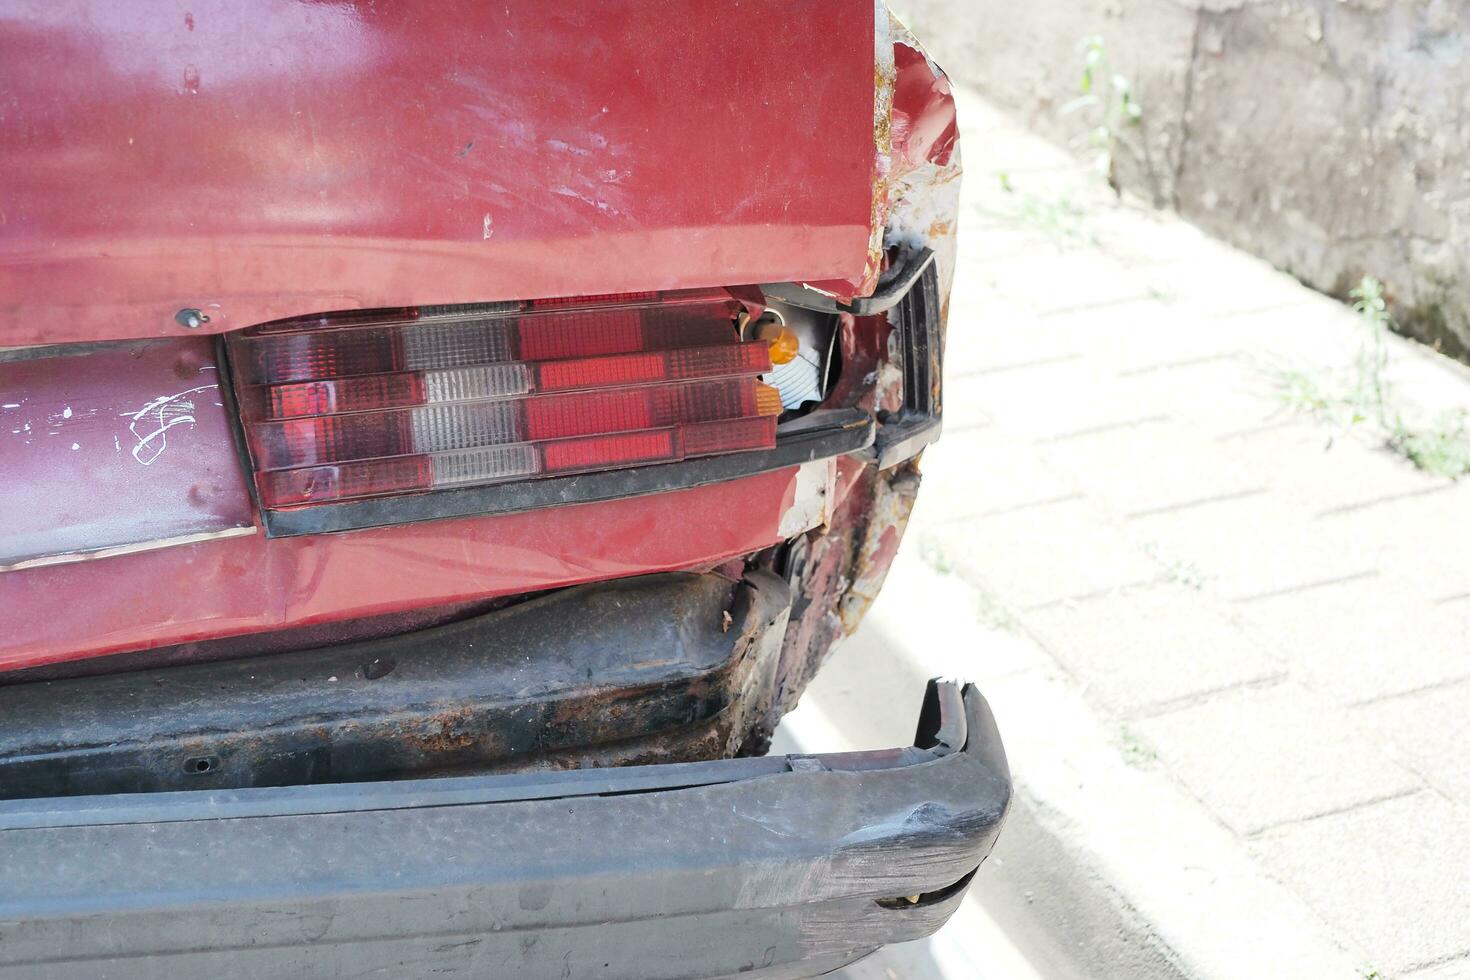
x: 253, y: 584
x: 267, y: 159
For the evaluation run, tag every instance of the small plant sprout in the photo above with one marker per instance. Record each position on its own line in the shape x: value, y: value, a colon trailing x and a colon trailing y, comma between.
x: 1110, y: 106
x: 1176, y: 569
x: 1136, y: 751
x: 932, y: 553
x: 1370, y: 390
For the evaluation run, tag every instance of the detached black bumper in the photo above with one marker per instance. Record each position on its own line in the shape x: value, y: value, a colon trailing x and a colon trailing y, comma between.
x: 769, y: 867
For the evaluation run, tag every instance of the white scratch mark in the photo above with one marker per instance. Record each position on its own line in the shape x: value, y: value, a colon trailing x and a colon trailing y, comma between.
x: 566, y: 147
x: 116, y: 444
x: 11, y: 405
x: 564, y: 191
x: 67, y: 415
x: 488, y: 226
x: 162, y: 414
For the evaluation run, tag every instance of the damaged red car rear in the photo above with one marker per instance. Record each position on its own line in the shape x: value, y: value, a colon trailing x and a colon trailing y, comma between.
x: 440, y: 441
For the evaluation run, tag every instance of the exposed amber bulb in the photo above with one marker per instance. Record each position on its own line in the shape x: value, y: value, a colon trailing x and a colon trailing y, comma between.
x: 783, y: 340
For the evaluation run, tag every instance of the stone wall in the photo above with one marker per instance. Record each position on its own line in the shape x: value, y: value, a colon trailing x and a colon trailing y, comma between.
x: 1331, y: 137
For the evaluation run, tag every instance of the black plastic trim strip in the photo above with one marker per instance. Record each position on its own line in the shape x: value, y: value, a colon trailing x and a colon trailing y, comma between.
x: 892, y: 288
x: 825, y: 435
x: 226, y: 372
x: 917, y: 321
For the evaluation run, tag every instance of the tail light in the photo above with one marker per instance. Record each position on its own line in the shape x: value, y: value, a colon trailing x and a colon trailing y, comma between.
x: 361, y: 405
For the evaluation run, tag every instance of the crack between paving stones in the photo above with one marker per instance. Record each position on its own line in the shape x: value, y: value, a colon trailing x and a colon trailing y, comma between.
x: 1306, y: 587
x: 1261, y: 833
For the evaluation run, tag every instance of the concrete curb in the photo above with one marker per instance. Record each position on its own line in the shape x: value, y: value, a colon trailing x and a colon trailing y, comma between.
x: 1106, y: 868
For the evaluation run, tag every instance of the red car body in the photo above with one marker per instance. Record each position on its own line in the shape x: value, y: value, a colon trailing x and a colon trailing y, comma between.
x: 271, y: 160
x: 173, y: 171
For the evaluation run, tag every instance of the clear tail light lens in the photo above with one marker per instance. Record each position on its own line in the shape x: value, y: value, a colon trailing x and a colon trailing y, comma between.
x: 338, y: 408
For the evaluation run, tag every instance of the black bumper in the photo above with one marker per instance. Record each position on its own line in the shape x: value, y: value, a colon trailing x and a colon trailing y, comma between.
x: 769, y: 867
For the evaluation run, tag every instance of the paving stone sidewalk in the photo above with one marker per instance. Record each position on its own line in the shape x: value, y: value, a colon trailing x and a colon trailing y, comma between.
x: 1273, y: 611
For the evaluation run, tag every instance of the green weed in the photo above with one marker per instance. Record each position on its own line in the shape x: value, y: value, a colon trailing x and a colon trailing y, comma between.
x: 1443, y: 450
x: 1136, y: 752
x: 932, y: 553
x: 1304, y: 393
x: 1107, y: 102
x: 1363, y: 397
x: 992, y: 613
x: 1369, y: 395
x: 1057, y: 216
x: 990, y: 610
x: 1176, y: 569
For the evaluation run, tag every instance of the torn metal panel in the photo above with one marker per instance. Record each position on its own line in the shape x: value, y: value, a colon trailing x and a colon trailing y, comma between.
x: 894, y: 494
x: 116, y: 450
x: 838, y: 572
x: 915, y: 167
x: 923, y: 203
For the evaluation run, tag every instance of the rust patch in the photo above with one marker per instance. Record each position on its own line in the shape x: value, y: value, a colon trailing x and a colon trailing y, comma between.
x: 445, y: 733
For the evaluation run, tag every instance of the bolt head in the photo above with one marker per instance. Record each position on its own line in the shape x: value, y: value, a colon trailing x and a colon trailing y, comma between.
x: 191, y: 318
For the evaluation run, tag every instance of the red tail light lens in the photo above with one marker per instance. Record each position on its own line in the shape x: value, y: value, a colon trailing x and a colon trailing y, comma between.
x: 340, y: 409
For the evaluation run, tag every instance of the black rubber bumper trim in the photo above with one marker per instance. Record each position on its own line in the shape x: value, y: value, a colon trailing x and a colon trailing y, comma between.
x: 824, y: 435
x: 774, y: 867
